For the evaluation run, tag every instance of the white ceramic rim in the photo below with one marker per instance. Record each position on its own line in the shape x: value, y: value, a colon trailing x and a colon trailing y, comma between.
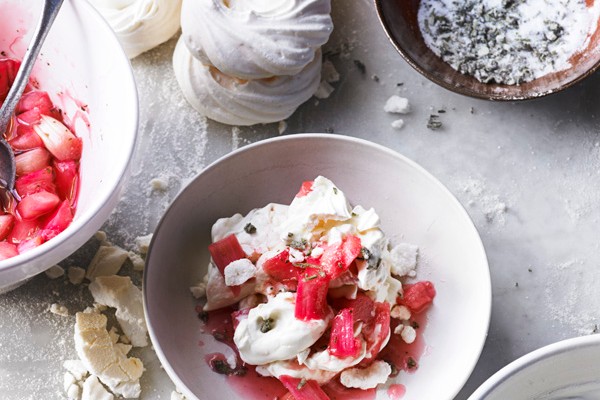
x: 158, y: 349
x: 94, y: 212
x: 528, y: 360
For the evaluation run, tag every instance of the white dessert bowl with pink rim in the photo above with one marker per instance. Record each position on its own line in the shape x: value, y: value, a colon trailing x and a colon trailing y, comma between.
x: 86, y: 74
x: 413, y: 207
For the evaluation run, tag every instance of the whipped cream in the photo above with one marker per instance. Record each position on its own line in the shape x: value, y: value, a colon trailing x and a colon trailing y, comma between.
x: 255, y: 39
x: 283, y: 338
x: 234, y: 101
x: 141, y: 24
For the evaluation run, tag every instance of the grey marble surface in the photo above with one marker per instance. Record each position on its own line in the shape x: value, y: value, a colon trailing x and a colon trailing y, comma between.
x: 527, y: 173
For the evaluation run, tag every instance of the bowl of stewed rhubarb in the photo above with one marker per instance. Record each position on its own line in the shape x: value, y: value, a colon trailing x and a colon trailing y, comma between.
x: 316, y: 266
x: 73, y: 133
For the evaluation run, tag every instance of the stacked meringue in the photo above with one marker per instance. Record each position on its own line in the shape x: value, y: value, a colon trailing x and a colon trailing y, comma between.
x: 140, y: 25
x: 244, y: 62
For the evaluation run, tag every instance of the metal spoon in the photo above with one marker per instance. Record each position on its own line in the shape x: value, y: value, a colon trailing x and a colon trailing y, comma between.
x: 7, y: 157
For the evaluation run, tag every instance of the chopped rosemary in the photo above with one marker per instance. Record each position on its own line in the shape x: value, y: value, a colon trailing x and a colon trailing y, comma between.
x: 249, y: 228
x: 361, y: 66
x: 266, y: 324
x: 301, y: 384
x: 434, y: 122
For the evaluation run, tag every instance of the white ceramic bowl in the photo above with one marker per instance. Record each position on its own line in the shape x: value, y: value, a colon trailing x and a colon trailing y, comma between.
x: 81, y: 64
x: 413, y: 207
x: 564, y: 370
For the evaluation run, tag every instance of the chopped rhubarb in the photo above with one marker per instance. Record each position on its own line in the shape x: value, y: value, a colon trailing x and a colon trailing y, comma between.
x: 7, y: 250
x: 26, y: 139
x: 28, y: 244
x: 362, y: 307
x: 337, y: 257
x: 8, y: 72
x: 35, y: 99
x: 58, y: 139
x: 37, y: 204
x: 377, y: 331
x: 311, y: 295
x: 303, y: 389
x: 280, y: 267
x: 67, y: 173
x: 6, y: 224
x: 32, y: 160
x: 224, y: 252
x: 417, y: 297
x: 36, y: 181
x: 23, y: 230
x: 342, y: 342
x: 305, y: 189
x: 58, y: 221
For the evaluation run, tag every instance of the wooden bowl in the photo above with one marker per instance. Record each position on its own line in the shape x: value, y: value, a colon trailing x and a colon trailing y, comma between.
x: 399, y: 20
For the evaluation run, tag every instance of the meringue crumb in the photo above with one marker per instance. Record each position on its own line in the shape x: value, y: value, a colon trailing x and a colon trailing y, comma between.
x: 59, y: 309
x: 142, y: 243
x: 76, y: 275
x: 324, y: 90
x: 398, y: 124
x: 397, y: 105
x: 159, y: 184
x: 282, y: 127
x: 408, y: 334
x: 55, y: 271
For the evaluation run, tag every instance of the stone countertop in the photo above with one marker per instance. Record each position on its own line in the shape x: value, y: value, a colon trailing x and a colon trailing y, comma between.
x: 526, y: 172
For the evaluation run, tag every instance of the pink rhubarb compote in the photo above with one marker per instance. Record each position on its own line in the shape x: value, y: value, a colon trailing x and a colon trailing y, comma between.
x: 47, y: 155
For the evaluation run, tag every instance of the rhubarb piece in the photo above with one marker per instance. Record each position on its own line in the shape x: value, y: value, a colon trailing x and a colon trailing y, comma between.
x: 58, y: 221
x: 8, y: 72
x: 377, y: 331
x: 362, y: 307
x: 305, y: 189
x: 6, y: 224
x: 303, y: 389
x: 66, y: 179
x: 58, y: 139
x: 311, y: 297
x: 280, y: 267
x: 417, y: 297
x: 32, y: 160
x: 337, y: 257
x: 26, y: 139
x: 7, y: 250
x: 37, y: 204
x: 28, y: 244
x: 225, y: 251
x: 342, y: 342
x: 35, y: 99
x: 36, y: 181
x: 23, y: 230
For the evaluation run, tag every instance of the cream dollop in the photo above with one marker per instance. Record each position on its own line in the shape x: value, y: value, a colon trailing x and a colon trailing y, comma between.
x: 272, y: 333
x: 254, y: 39
x: 141, y: 24
x: 234, y: 101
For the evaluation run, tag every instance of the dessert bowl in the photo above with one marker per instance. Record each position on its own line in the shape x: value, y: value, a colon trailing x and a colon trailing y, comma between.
x: 86, y: 74
x: 413, y: 206
x: 563, y: 370
x: 399, y: 20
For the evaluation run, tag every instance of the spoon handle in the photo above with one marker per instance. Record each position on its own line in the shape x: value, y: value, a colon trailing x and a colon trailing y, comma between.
x: 49, y: 13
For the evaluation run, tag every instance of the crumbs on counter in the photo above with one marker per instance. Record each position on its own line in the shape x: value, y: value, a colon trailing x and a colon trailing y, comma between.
x: 55, y: 272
